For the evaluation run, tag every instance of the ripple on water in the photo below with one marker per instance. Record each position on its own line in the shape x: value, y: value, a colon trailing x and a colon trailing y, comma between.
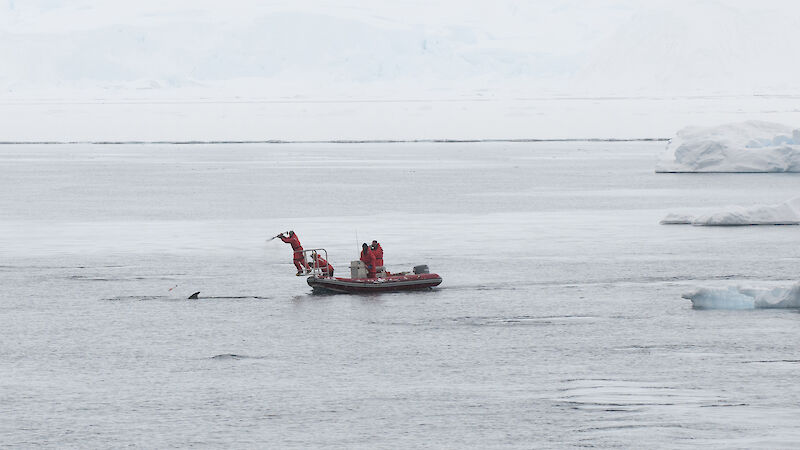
x: 500, y: 321
x: 233, y: 357
x: 522, y: 320
x: 128, y: 298
x: 632, y: 396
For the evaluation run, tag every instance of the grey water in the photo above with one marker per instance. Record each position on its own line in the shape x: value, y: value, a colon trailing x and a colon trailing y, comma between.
x: 560, y: 321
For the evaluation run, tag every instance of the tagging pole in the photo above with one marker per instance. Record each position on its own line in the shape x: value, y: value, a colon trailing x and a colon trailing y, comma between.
x: 273, y: 237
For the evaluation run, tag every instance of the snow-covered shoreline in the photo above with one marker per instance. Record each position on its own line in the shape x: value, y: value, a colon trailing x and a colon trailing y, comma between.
x: 405, y: 116
x: 307, y: 70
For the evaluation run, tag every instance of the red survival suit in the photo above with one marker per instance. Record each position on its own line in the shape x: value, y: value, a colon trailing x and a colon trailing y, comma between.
x: 326, y: 268
x: 299, y: 260
x: 369, y: 259
x: 378, y: 252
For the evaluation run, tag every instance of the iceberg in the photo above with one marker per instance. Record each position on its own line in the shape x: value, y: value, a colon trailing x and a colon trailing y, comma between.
x: 745, y: 298
x: 786, y: 213
x: 752, y: 146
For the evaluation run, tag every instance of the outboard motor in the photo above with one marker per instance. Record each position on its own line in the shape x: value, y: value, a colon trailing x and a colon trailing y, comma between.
x: 423, y: 268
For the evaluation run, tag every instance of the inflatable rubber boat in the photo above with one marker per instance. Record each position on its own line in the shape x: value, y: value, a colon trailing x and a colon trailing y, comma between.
x: 359, y: 283
x: 389, y: 283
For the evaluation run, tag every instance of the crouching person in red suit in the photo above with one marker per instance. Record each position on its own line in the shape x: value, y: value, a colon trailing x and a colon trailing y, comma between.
x: 322, y: 264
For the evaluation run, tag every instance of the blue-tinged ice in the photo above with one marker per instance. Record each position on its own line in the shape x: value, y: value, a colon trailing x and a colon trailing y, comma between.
x: 745, y: 298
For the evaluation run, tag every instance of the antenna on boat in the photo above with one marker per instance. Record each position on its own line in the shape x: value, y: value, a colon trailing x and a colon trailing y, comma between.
x: 357, y: 245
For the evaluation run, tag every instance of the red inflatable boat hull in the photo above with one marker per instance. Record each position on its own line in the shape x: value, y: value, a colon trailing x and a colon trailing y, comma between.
x: 374, y: 285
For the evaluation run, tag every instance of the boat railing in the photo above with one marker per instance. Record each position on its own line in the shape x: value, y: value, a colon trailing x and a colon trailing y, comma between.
x: 316, y: 270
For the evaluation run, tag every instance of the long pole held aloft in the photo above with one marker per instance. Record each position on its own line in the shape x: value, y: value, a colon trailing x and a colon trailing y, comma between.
x: 273, y: 237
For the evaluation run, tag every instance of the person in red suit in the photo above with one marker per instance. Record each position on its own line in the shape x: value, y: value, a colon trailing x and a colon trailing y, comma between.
x: 299, y: 260
x: 324, y: 266
x: 369, y: 259
x: 377, y: 250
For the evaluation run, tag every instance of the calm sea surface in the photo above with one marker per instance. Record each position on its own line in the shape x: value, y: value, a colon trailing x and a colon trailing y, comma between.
x: 560, y: 321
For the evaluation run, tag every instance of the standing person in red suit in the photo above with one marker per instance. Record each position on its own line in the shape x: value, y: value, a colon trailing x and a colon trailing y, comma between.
x: 299, y: 259
x: 369, y: 259
x: 378, y: 252
x: 324, y: 266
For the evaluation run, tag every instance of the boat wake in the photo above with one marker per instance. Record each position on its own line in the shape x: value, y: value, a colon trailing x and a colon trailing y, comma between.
x: 745, y: 298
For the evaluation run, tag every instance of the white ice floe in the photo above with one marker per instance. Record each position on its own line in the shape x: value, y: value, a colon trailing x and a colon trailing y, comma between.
x: 745, y: 298
x: 677, y: 219
x: 786, y: 213
x: 751, y: 146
